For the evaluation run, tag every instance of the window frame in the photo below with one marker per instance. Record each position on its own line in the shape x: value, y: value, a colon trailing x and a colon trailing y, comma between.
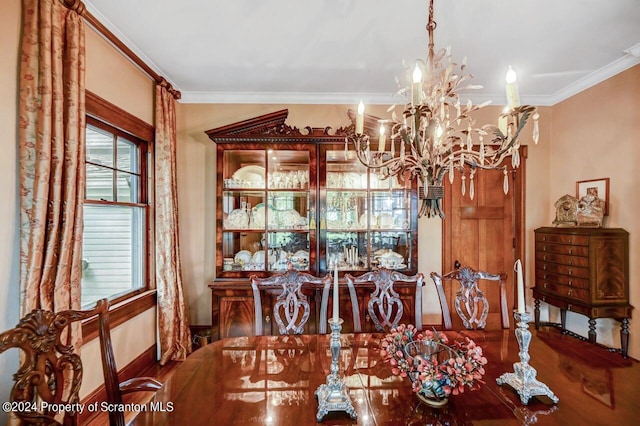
x: 105, y: 115
x: 143, y: 150
x: 142, y: 173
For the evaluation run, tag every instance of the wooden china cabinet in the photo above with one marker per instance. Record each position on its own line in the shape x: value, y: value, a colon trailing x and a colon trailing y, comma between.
x: 300, y: 198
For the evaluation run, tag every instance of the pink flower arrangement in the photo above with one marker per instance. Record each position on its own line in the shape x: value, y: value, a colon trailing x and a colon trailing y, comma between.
x: 436, y: 368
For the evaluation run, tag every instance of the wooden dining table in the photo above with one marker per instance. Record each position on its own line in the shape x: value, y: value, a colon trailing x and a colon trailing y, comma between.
x: 271, y: 380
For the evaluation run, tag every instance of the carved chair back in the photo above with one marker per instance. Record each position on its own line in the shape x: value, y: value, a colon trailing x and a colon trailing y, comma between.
x: 292, y: 308
x: 385, y: 307
x: 50, y: 372
x: 470, y: 302
x: 113, y: 387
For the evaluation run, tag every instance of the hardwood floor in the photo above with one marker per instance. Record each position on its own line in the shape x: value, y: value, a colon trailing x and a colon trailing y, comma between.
x: 158, y: 371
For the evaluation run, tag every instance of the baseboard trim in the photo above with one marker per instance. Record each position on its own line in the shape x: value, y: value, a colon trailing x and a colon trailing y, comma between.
x: 135, y: 368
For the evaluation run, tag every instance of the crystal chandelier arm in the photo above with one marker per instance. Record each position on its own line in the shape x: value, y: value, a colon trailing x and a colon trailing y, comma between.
x: 438, y: 135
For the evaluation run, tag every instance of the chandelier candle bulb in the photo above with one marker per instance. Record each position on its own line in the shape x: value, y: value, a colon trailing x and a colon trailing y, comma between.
x: 383, y: 138
x: 521, y: 304
x: 360, y: 119
x: 335, y: 293
x: 417, y: 85
x: 513, y: 97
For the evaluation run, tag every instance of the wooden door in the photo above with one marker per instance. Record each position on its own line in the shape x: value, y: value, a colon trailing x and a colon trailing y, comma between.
x: 485, y: 233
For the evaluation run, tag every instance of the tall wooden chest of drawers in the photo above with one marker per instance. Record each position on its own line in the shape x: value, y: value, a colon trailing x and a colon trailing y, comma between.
x: 584, y: 270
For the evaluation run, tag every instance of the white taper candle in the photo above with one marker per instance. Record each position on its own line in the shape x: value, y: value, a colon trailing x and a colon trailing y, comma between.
x: 383, y: 138
x: 360, y: 119
x: 521, y: 304
x: 335, y: 293
x: 513, y: 96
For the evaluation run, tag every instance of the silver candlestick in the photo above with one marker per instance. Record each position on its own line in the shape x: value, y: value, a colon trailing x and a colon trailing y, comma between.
x: 523, y: 380
x: 334, y: 395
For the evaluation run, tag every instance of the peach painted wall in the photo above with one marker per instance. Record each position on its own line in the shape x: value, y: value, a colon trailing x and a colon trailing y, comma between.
x: 596, y: 134
x: 132, y: 91
x: 10, y: 16
x: 197, y: 181
x: 113, y: 77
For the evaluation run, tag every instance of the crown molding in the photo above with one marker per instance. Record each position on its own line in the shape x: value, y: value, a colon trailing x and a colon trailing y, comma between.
x: 332, y: 98
x: 316, y: 98
x: 629, y: 60
x: 125, y: 41
x: 598, y: 76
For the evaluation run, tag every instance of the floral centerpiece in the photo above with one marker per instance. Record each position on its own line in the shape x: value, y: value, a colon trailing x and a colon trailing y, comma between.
x: 436, y: 367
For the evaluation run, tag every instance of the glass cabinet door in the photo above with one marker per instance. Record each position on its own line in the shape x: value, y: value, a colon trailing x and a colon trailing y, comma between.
x: 267, y: 209
x: 366, y: 221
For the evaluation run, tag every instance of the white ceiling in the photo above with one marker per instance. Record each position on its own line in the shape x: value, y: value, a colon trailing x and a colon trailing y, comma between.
x: 341, y: 51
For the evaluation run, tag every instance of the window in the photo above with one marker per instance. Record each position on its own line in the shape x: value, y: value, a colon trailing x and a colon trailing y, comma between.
x: 115, y: 213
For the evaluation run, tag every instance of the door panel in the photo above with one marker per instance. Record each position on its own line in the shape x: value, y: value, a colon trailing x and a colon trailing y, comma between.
x: 485, y: 233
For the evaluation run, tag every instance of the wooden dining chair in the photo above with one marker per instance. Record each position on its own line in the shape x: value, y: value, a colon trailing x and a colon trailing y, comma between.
x: 292, y: 308
x: 50, y: 371
x: 114, y: 388
x: 470, y: 302
x: 385, y: 307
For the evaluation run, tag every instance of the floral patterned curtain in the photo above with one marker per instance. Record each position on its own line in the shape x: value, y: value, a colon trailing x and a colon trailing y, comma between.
x: 52, y: 150
x: 173, y: 324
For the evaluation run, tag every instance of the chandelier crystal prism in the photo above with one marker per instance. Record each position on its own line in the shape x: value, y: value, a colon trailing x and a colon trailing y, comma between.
x: 437, y: 135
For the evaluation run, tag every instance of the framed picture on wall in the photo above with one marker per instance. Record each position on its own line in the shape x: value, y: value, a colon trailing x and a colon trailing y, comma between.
x: 597, y: 187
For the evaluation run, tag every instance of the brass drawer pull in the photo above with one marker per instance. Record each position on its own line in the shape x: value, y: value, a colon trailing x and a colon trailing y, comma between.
x: 544, y: 248
x: 544, y: 257
x: 545, y: 285
x: 570, y: 283
x: 570, y: 272
x: 570, y: 261
x: 544, y: 267
x: 570, y: 292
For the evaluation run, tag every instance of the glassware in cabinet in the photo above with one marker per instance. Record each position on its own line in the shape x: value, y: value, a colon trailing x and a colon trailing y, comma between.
x: 243, y: 169
x: 267, y: 206
x: 367, y: 221
x: 288, y: 249
x: 347, y: 250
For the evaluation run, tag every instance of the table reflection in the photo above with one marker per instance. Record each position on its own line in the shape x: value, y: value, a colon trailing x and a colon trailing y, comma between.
x: 272, y: 380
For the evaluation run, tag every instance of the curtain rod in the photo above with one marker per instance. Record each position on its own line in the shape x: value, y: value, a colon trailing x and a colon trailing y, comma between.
x: 79, y: 7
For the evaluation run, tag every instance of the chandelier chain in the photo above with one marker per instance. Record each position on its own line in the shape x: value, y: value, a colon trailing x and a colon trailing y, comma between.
x: 431, y: 26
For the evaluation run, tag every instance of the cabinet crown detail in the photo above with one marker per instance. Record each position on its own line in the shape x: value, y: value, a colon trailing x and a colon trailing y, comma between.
x: 273, y: 125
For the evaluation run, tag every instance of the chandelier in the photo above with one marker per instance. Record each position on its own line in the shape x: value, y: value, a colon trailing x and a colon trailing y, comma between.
x: 437, y: 135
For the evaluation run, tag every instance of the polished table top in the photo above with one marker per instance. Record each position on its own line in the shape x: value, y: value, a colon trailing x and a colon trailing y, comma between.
x: 272, y: 380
